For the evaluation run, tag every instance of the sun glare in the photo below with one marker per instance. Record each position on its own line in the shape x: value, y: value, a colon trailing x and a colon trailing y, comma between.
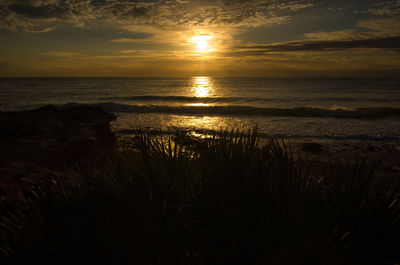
x: 202, y: 42
x: 202, y: 45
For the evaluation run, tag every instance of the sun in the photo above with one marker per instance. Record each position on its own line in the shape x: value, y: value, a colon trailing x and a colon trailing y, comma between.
x: 202, y: 42
x: 202, y: 45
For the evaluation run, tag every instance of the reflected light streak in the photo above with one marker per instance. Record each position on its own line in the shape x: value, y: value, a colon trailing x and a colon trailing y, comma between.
x: 202, y: 124
x: 202, y: 87
x: 199, y: 104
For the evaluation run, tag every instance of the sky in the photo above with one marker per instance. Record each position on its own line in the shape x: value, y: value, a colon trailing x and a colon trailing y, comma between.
x: 182, y: 38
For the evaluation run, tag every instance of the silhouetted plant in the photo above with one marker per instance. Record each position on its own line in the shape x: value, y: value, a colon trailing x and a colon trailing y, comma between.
x: 220, y: 200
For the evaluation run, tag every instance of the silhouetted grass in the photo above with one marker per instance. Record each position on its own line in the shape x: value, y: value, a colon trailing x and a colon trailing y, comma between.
x: 219, y: 200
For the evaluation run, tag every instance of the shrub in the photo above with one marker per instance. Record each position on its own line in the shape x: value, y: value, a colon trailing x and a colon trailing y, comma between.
x: 218, y: 200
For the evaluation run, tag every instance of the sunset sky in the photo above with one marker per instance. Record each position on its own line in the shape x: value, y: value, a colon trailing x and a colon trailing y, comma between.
x: 180, y: 38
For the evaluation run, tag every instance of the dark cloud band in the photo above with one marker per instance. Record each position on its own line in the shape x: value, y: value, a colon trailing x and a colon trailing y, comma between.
x: 392, y: 43
x: 38, y: 12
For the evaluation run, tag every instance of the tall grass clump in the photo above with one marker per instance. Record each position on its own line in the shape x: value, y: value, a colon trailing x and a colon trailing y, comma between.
x: 220, y: 200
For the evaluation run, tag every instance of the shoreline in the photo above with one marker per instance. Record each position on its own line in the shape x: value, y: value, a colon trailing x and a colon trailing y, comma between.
x: 49, y: 139
x: 386, y: 153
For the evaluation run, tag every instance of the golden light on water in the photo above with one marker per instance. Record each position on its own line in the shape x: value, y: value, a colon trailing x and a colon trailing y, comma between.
x: 202, y: 87
x: 199, y: 104
x: 198, y: 122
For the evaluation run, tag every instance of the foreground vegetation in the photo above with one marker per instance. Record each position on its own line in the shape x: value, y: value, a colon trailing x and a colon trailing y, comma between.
x: 220, y: 200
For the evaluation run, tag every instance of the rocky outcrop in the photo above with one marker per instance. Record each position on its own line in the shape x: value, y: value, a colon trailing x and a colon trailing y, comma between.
x: 49, y: 139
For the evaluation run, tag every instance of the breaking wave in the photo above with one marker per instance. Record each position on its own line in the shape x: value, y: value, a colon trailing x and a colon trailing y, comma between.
x: 184, y: 99
x: 235, y: 110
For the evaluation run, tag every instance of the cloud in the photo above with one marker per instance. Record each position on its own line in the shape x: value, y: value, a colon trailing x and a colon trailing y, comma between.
x: 392, y: 43
x: 42, y: 15
x: 385, y: 27
x: 39, y: 12
x: 367, y: 29
x: 11, y: 21
x: 292, y: 6
x: 134, y: 37
x: 348, y: 34
x: 26, y: 15
x: 128, y: 40
x: 388, y: 8
x: 65, y: 54
x: 125, y: 54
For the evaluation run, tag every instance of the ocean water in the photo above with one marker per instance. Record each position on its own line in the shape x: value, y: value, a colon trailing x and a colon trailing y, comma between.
x: 357, y: 109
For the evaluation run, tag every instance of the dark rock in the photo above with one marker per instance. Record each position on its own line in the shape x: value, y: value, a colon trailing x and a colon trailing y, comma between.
x: 50, y: 139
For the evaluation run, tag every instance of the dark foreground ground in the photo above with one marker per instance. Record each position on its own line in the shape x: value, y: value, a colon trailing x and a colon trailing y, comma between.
x: 69, y: 194
x: 40, y: 143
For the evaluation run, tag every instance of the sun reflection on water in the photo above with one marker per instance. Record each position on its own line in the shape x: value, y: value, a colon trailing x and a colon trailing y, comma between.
x: 199, y: 104
x: 198, y: 126
x: 202, y: 86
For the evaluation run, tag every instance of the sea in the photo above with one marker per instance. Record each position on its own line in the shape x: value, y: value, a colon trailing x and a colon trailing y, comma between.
x: 322, y: 109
